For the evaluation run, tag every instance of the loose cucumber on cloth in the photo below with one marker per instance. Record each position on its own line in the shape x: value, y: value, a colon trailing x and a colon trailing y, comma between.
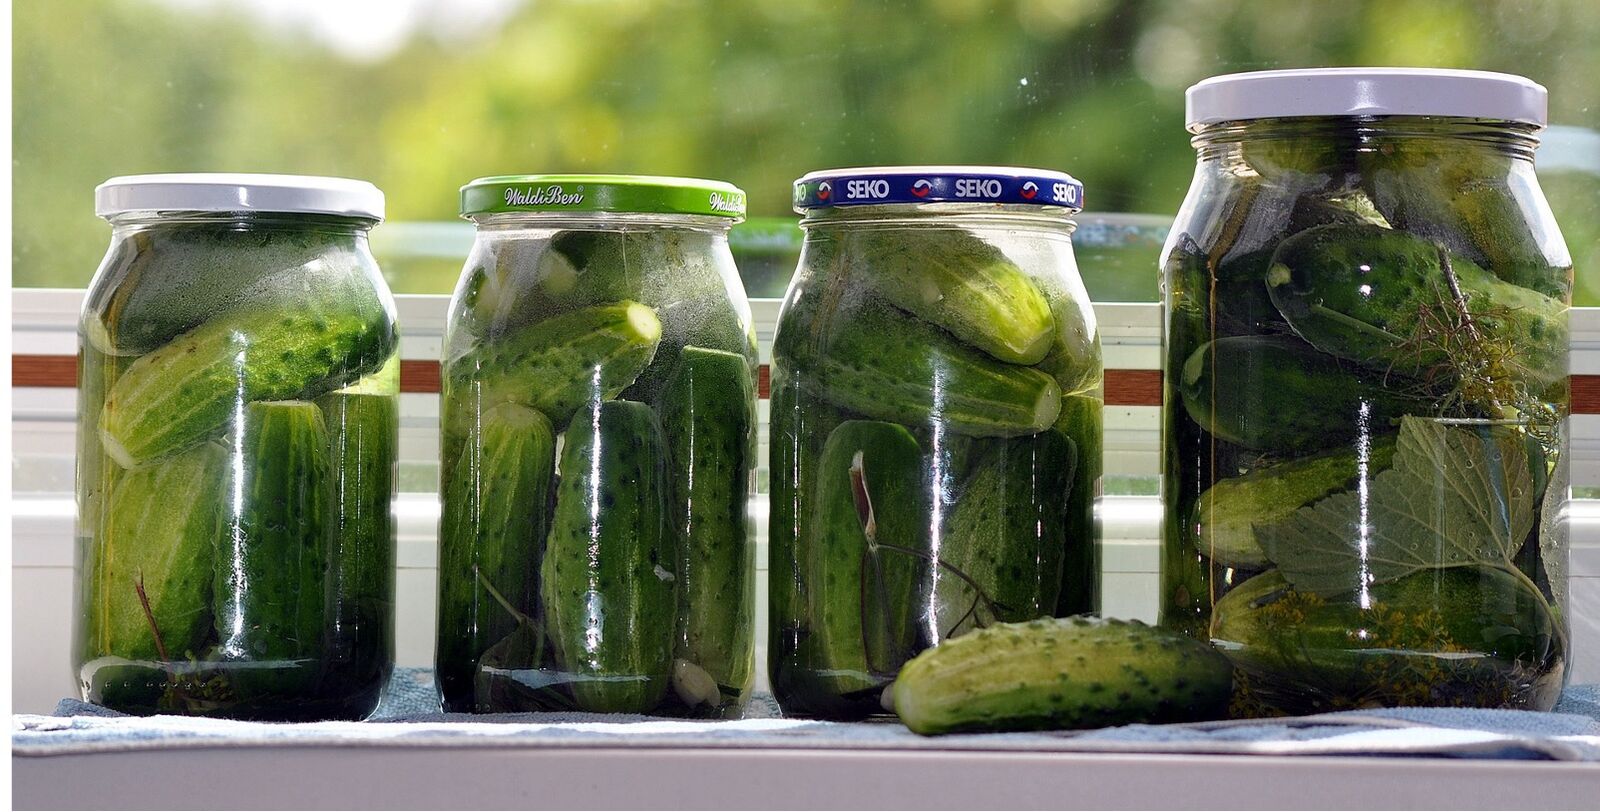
x: 864, y: 553
x: 951, y: 278
x: 160, y: 527
x: 707, y: 415
x: 556, y: 365
x: 607, y: 586
x: 1062, y: 673
x: 188, y: 390
x: 894, y: 367
x: 494, y: 519
x: 270, y: 577
x: 1000, y: 554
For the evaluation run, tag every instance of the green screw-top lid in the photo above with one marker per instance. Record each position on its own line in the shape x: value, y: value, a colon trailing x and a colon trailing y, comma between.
x: 643, y: 194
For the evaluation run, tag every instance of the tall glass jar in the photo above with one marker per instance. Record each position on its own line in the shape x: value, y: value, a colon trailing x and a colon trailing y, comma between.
x: 935, y: 429
x: 237, y: 425
x: 598, y: 438
x: 1366, y: 391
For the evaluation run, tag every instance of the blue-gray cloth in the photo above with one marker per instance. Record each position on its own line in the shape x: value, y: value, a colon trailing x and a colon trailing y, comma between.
x: 410, y: 716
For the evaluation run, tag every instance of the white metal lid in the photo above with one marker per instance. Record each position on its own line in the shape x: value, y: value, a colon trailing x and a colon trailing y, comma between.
x: 1366, y: 92
x: 219, y: 191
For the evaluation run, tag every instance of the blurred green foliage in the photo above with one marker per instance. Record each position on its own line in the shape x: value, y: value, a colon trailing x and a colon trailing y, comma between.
x: 752, y: 91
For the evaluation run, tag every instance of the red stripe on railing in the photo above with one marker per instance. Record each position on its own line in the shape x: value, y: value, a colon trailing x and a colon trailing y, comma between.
x: 1124, y: 387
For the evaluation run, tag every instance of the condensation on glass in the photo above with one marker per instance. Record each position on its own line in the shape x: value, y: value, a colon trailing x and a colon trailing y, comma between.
x: 1366, y: 392
x: 936, y: 424
x: 598, y: 435
x: 237, y: 428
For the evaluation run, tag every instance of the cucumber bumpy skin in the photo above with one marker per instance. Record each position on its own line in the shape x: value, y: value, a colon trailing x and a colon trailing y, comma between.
x: 1082, y: 421
x: 707, y: 412
x: 609, y: 595
x: 270, y: 575
x: 1275, y: 393
x: 556, y: 365
x: 862, y: 600
x: 1006, y: 533
x: 161, y: 523
x: 1369, y: 294
x: 1062, y: 673
x: 188, y: 390
x: 494, y: 513
x: 951, y: 278
x: 891, y: 366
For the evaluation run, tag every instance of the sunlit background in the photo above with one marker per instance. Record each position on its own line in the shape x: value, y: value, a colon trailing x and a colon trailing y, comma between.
x: 420, y: 96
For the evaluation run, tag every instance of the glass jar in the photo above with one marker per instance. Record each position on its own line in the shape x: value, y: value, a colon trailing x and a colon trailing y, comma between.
x: 1366, y: 391
x: 238, y: 418
x: 935, y: 429
x: 598, y: 438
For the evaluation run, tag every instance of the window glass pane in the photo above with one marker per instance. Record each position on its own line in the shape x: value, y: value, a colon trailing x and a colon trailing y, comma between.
x: 420, y: 96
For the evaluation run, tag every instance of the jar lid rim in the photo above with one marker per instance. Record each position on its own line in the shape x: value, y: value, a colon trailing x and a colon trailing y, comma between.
x: 879, y: 185
x: 238, y: 192
x: 633, y: 194
x: 1366, y: 91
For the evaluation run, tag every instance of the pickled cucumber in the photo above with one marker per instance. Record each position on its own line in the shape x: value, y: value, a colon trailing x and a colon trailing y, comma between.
x: 707, y: 414
x: 556, y: 365
x: 863, y: 554
x: 1000, y: 556
x: 270, y: 579
x: 188, y: 390
x: 607, y: 586
x: 494, y: 518
x: 155, y: 550
x: 897, y: 368
x: 951, y: 278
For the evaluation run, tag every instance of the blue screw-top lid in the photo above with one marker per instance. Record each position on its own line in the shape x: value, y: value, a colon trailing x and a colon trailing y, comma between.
x: 875, y: 185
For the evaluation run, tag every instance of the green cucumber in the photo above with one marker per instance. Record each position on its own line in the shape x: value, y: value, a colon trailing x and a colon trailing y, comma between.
x: 270, y: 578
x: 1082, y: 421
x: 1000, y: 555
x: 1275, y: 393
x: 1382, y: 298
x: 863, y: 585
x: 707, y: 416
x: 1062, y: 673
x: 1227, y: 514
x: 160, y: 526
x: 1453, y: 636
x: 188, y: 390
x: 609, y: 596
x: 1074, y: 358
x: 891, y: 366
x: 494, y: 514
x: 1472, y: 201
x: 178, y: 277
x: 556, y: 365
x: 363, y: 432
x: 951, y: 278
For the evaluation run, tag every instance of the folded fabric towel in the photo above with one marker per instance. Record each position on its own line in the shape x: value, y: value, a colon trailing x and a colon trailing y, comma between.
x: 409, y: 716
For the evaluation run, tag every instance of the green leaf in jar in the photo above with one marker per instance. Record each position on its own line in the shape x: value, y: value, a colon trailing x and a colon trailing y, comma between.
x: 1456, y: 496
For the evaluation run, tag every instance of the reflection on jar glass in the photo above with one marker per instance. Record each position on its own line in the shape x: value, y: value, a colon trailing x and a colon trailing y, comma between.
x: 1366, y: 392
